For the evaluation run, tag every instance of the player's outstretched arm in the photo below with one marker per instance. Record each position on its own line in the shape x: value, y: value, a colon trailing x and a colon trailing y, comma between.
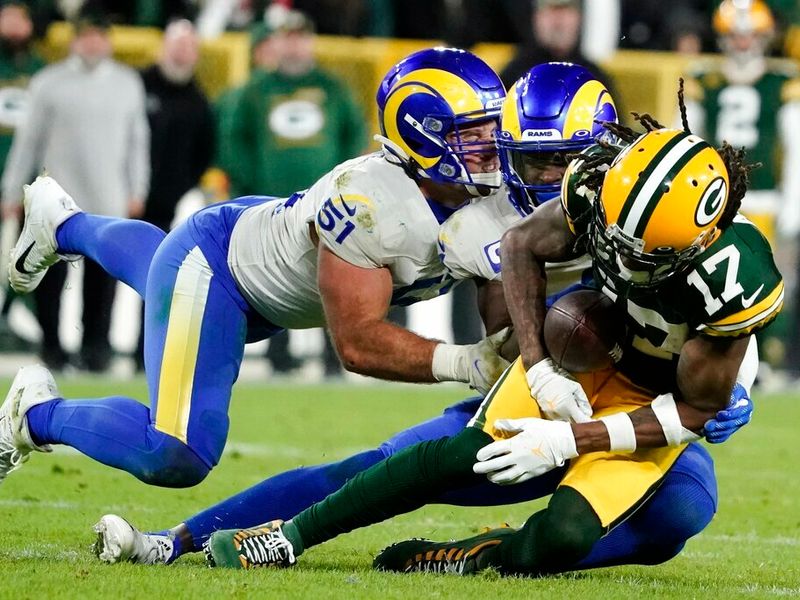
x: 356, y: 302
x: 525, y: 247
x: 543, y: 236
x: 707, y: 370
x: 706, y: 373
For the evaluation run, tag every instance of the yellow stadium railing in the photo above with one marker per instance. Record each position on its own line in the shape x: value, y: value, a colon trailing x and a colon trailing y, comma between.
x: 645, y: 81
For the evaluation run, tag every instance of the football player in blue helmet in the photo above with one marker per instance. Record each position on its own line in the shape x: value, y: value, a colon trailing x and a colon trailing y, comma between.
x: 285, y: 495
x: 437, y: 111
x: 440, y: 109
x: 554, y: 110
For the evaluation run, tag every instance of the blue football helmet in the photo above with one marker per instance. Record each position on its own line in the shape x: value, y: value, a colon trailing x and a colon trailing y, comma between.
x: 425, y: 100
x: 553, y: 110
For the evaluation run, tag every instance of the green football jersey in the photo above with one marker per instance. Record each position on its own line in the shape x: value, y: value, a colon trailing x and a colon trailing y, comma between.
x: 16, y: 69
x: 746, y: 116
x: 731, y: 289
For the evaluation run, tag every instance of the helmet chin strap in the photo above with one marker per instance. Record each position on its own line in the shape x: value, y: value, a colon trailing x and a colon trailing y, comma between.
x: 391, y: 147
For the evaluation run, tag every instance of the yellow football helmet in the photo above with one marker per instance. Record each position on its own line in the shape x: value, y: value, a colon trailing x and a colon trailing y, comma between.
x: 658, y: 208
x: 743, y: 16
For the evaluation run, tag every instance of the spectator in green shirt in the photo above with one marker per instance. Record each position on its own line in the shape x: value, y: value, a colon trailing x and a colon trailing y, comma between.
x: 291, y: 123
x: 18, y: 62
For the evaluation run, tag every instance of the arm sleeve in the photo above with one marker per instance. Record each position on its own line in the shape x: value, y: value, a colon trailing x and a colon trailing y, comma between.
x: 27, y: 148
x: 139, y: 146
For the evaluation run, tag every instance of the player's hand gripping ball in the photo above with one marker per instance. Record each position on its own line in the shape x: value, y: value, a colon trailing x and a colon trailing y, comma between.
x: 584, y: 331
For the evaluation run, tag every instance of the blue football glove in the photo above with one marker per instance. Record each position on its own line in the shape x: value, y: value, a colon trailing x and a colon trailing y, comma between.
x: 728, y: 421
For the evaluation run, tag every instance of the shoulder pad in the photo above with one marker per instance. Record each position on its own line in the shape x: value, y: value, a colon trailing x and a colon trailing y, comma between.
x: 741, y: 287
x: 790, y: 91
x: 783, y: 67
x: 469, y: 244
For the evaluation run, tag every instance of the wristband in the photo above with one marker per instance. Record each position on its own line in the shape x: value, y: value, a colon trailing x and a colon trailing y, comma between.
x: 621, y: 433
x: 449, y: 363
x: 749, y: 366
x: 667, y: 414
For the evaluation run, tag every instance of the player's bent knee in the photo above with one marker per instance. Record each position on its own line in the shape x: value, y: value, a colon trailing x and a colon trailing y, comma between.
x: 569, y: 528
x: 174, y: 465
x: 656, y: 555
x: 569, y: 541
x: 681, y: 508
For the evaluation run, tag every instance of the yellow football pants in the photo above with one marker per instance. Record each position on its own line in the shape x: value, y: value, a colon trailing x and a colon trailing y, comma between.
x: 614, y: 483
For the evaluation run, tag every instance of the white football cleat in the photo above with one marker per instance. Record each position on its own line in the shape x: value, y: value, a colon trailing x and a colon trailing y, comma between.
x: 46, y: 206
x: 32, y: 385
x: 119, y: 541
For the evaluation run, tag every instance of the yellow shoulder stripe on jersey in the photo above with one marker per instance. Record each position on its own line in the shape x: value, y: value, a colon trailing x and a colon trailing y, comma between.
x: 790, y: 92
x: 360, y: 198
x: 746, y: 320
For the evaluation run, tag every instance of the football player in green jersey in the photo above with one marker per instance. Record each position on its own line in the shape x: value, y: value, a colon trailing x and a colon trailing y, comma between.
x: 752, y: 102
x: 659, y: 217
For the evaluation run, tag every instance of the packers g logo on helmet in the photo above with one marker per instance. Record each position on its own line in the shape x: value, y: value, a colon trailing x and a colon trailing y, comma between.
x: 659, y: 205
x: 429, y: 95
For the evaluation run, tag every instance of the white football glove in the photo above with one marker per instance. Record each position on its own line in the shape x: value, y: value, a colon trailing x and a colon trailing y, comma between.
x: 539, y: 446
x: 558, y: 394
x: 478, y: 364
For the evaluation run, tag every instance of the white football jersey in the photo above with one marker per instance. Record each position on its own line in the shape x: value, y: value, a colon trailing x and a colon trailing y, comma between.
x: 469, y: 243
x: 367, y: 211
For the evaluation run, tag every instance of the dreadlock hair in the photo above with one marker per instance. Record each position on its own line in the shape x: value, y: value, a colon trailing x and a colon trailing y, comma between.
x: 735, y: 159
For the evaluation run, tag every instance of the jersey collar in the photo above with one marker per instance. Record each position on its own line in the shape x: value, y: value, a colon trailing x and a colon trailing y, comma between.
x: 441, y: 212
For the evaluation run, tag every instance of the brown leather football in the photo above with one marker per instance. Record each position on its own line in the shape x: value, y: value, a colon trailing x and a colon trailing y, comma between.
x: 584, y: 331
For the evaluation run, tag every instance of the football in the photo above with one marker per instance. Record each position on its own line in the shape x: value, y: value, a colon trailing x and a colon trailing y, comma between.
x: 584, y: 331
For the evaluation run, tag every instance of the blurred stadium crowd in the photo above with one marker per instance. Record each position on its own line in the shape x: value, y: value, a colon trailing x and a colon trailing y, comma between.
x: 151, y: 108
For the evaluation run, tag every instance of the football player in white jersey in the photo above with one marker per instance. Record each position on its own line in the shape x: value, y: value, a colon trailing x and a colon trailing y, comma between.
x: 562, y: 101
x: 363, y: 238
x: 561, y: 105
x: 551, y: 94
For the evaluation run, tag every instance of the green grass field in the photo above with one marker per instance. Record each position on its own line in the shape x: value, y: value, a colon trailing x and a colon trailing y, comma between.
x: 751, y: 549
